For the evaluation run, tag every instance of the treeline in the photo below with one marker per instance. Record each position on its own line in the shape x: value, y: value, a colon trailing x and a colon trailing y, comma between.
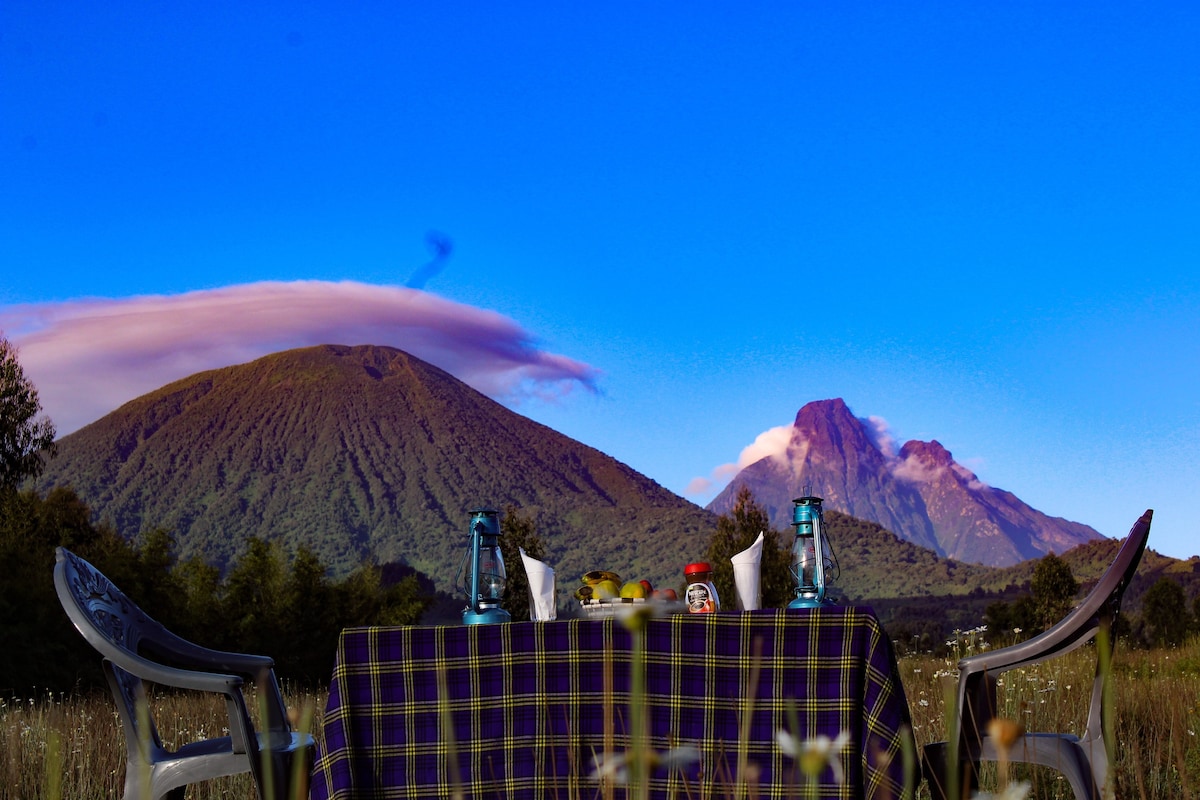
x: 270, y: 602
x: 1162, y: 615
x: 1159, y: 610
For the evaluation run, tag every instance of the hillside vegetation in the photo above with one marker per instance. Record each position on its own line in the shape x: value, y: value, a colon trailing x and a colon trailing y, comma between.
x: 364, y: 454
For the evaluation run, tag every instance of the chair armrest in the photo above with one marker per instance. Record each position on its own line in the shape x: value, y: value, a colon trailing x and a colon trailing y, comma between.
x: 183, y: 652
x: 1061, y: 638
x: 163, y: 675
x: 243, y: 666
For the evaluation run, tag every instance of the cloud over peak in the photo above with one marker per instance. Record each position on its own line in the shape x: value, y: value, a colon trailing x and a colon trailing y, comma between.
x: 914, y: 469
x: 881, y: 433
x: 778, y: 443
x: 771, y: 443
x: 89, y: 356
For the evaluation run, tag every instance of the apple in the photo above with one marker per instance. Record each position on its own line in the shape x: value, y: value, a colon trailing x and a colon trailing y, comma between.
x: 633, y: 590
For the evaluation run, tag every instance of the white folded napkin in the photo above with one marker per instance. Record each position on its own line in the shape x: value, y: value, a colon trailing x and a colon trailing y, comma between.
x: 747, y: 569
x: 543, y: 602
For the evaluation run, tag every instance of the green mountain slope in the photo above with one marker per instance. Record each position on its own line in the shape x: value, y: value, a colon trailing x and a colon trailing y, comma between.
x: 875, y: 564
x: 365, y: 453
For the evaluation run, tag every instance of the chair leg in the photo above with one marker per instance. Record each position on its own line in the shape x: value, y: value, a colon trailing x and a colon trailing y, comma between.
x: 947, y: 779
x: 1067, y: 756
x: 933, y: 768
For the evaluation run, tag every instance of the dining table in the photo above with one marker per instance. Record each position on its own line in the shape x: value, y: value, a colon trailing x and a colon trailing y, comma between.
x: 770, y: 704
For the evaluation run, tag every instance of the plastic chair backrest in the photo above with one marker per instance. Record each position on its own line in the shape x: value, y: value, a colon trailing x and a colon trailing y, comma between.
x: 1102, y: 605
x: 114, y: 626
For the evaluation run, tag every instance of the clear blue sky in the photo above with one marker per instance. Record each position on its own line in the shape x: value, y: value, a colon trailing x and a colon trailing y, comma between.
x: 672, y: 225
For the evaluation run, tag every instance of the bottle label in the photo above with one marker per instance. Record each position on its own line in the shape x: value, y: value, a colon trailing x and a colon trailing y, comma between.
x: 700, y: 598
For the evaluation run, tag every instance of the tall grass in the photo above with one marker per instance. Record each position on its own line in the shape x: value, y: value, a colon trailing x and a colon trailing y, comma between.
x: 1157, y: 754
x: 72, y: 746
x: 76, y: 741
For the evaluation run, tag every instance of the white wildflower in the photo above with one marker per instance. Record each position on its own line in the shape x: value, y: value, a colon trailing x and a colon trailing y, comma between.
x: 815, y: 754
x: 615, y: 766
x: 1014, y: 791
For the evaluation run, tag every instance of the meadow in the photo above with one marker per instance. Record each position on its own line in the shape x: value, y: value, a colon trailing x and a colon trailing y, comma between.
x: 65, y: 746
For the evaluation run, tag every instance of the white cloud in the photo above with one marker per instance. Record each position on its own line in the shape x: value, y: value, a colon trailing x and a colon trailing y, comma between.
x: 771, y: 443
x: 914, y: 470
x: 970, y: 477
x: 87, y: 357
x: 882, y: 435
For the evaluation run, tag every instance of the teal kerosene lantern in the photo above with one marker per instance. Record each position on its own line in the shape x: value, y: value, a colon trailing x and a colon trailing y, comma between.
x: 487, y: 581
x: 811, y: 553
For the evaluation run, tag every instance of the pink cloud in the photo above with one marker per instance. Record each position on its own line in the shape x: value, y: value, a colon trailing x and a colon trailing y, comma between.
x: 87, y: 357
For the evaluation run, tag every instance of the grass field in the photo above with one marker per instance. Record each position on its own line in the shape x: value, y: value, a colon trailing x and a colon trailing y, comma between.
x: 78, y: 741
x: 1157, y: 691
x: 54, y: 746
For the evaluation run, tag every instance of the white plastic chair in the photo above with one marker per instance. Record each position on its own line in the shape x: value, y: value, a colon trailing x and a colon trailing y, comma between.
x: 136, y: 649
x: 1083, y: 760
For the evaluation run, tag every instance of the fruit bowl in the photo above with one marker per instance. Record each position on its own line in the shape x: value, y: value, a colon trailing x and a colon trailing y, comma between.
x: 598, y: 609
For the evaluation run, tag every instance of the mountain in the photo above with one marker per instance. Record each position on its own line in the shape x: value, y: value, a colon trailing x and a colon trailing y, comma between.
x: 369, y: 453
x: 365, y: 453
x: 920, y: 493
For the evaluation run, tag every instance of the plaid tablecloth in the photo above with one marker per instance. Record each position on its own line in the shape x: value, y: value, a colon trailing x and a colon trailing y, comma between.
x: 521, y: 710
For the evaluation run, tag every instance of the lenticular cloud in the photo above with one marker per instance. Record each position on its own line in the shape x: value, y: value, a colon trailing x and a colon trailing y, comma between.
x: 87, y: 357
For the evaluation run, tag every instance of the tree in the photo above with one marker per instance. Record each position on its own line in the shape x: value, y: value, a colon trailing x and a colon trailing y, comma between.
x: 40, y: 645
x: 289, y: 610
x: 518, y: 532
x: 1020, y: 618
x: 1054, y: 589
x: 309, y: 614
x: 253, y: 600
x: 200, y: 596
x: 1024, y: 617
x: 26, y: 438
x: 998, y: 617
x: 736, y: 531
x: 1165, y: 613
x: 155, y: 584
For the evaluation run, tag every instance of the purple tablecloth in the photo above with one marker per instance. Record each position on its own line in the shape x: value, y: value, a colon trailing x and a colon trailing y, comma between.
x: 520, y: 710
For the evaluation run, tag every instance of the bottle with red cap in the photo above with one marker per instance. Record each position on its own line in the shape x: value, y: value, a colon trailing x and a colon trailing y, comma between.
x: 701, y: 594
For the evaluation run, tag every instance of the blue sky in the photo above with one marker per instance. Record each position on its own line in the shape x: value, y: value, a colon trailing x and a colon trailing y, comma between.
x: 669, y: 227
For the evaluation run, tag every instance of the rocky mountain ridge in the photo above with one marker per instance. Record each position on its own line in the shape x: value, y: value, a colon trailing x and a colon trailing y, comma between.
x: 920, y: 492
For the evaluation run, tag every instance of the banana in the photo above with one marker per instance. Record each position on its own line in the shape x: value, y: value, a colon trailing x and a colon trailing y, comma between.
x: 595, y: 576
